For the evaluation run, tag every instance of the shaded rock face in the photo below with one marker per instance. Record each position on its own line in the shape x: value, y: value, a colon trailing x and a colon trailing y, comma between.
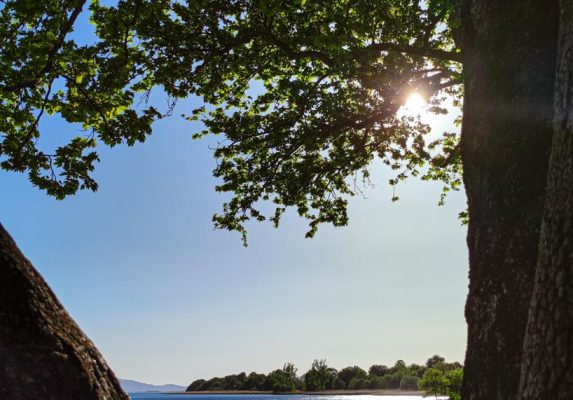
x: 44, y: 355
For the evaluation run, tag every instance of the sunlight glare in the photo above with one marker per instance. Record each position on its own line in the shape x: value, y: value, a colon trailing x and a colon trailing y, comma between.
x: 415, y: 105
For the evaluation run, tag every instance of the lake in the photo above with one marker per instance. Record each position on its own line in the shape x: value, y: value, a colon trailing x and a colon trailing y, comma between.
x: 157, y: 396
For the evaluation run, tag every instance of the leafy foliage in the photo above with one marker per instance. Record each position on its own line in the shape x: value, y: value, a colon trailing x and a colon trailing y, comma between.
x: 304, y: 93
x: 44, y: 71
x: 378, y: 370
x: 283, y: 380
x: 320, y: 376
x: 442, y: 382
x: 349, y: 373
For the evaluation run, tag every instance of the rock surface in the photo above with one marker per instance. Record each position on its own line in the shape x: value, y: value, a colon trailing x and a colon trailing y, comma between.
x: 43, y: 353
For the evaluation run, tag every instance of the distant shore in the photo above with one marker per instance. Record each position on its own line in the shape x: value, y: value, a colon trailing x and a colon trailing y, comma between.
x: 371, y: 392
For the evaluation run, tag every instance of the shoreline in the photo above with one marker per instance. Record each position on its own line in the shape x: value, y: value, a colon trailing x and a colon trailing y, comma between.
x: 369, y: 392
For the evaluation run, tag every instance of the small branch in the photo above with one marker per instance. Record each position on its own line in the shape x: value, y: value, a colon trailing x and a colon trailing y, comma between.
x: 44, y: 102
x: 90, y: 101
x: 447, y: 84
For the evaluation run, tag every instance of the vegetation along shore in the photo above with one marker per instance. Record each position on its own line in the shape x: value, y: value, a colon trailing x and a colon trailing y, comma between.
x: 338, y: 392
x: 436, y: 377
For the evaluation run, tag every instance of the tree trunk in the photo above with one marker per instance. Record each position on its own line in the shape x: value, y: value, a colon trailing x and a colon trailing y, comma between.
x: 43, y: 353
x: 509, y: 69
x: 547, y: 372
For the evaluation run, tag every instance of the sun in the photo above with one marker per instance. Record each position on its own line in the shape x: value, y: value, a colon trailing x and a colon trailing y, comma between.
x: 414, y: 105
x: 417, y: 106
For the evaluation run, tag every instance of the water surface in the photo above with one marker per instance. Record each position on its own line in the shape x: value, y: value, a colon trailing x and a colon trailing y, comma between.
x: 158, y: 396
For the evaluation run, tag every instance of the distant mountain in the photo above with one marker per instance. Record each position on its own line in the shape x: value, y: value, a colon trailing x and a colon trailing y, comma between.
x: 135, y: 387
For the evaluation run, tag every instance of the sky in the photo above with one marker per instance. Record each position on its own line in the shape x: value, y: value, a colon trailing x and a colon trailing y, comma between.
x: 168, y: 299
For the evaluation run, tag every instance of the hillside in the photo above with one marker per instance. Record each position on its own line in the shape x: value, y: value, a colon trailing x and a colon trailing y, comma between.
x: 131, y: 386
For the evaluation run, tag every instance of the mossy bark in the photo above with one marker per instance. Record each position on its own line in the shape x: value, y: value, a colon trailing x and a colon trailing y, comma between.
x: 43, y: 353
x: 547, y: 372
x: 509, y: 68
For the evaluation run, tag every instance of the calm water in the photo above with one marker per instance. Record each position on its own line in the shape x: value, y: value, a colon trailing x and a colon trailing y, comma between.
x: 153, y: 396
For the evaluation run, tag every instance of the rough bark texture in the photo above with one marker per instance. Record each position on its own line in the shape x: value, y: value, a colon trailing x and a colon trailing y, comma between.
x: 547, y: 372
x: 43, y: 353
x: 509, y: 67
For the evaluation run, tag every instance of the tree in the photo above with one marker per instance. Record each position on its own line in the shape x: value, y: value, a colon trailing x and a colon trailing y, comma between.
x: 455, y: 379
x: 419, y: 370
x: 378, y: 382
x: 399, y: 365
x: 319, y: 377
x: 290, y: 371
x: 334, y: 75
x: 378, y: 370
x: 434, y: 383
x: 282, y: 380
x: 435, y: 360
x: 547, y: 366
x: 509, y: 52
x: 348, y: 373
x: 195, y: 385
x: 234, y: 382
x: 439, y: 382
x: 254, y: 381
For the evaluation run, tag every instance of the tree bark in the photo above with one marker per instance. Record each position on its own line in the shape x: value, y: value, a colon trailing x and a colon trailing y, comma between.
x: 509, y: 68
x: 43, y: 353
x: 547, y: 372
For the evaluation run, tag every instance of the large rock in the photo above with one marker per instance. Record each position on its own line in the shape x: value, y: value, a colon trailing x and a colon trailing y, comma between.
x: 44, y: 355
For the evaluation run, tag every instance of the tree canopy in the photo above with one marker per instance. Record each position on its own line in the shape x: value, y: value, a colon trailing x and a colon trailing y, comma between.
x: 304, y: 93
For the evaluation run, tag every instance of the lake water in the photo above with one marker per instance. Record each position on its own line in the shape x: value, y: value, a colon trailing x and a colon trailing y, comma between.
x: 155, y: 396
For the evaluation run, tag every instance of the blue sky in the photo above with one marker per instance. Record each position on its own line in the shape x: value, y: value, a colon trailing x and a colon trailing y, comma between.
x: 168, y: 299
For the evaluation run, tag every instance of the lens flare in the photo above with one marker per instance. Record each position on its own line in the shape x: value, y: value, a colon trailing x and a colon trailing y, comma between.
x: 415, y: 105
